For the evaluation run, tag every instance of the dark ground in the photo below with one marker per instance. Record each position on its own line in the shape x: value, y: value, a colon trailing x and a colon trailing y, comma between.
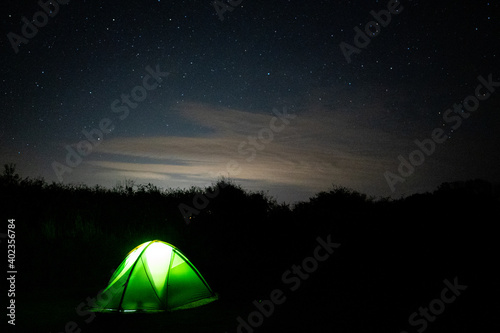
x: 393, y: 258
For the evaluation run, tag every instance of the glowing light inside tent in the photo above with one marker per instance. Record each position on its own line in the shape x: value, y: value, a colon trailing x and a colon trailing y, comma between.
x: 155, y: 276
x: 158, y: 256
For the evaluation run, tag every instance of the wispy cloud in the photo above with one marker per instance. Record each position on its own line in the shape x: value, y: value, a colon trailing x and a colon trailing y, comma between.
x: 317, y: 148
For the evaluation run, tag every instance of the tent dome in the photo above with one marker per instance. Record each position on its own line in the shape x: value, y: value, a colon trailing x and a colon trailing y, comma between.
x: 155, y: 276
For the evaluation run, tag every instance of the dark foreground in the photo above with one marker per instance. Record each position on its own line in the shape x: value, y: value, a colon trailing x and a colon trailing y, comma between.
x: 338, y: 263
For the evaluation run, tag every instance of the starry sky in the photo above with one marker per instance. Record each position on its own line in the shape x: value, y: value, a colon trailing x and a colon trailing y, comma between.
x: 287, y: 97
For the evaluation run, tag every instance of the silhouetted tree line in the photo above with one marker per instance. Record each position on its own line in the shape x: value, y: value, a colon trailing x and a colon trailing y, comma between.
x: 240, y: 234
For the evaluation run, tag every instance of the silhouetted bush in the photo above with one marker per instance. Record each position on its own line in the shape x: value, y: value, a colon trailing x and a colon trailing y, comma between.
x: 240, y: 236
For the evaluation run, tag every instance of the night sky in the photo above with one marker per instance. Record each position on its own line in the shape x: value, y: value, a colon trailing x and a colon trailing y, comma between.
x: 289, y: 97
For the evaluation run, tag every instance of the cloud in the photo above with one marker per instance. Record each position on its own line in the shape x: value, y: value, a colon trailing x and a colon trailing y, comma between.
x: 313, y: 150
x: 143, y: 175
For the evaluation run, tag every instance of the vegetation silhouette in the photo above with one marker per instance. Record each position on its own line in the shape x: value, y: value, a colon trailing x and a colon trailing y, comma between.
x: 392, y: 251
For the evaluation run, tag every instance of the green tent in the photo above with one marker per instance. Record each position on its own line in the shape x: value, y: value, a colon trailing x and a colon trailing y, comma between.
x: 155, y: 276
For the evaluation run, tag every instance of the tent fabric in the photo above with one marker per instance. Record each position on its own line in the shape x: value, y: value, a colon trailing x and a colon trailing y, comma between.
x: 154, y: 276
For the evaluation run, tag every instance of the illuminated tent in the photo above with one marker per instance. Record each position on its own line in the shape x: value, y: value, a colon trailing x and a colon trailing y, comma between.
x: 155, y: 276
